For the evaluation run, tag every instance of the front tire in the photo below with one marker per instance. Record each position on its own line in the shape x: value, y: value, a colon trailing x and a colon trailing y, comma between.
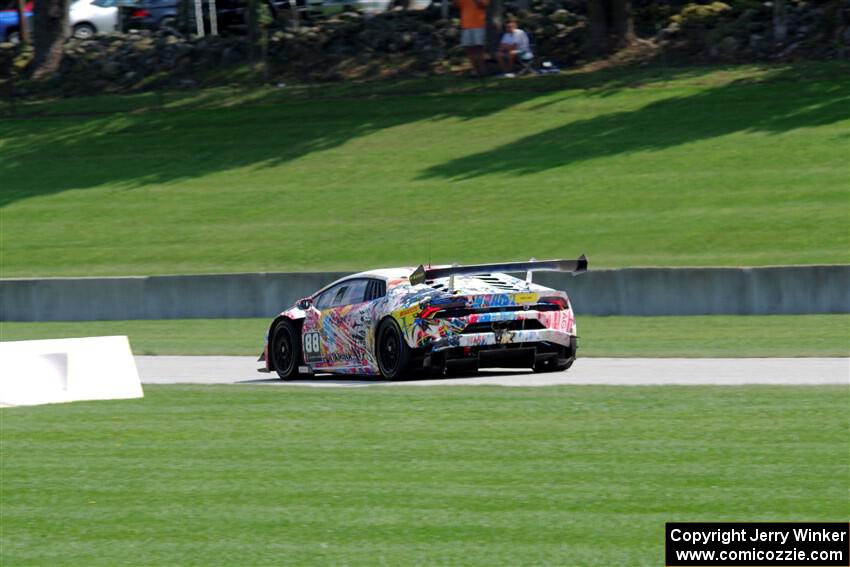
x: 393, y: 354
x: 285, y: 349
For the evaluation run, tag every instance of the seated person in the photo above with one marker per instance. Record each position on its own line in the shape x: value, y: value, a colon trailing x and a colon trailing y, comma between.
x: 514, y: 44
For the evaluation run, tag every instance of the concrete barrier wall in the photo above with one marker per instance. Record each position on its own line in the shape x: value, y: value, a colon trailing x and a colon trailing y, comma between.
x: 707, y: 291
x: 637, y: 291
x: 156, y: 297
x: 67, y: 370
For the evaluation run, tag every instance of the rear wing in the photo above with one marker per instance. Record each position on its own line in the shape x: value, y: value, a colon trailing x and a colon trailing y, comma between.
x: 421, y: 274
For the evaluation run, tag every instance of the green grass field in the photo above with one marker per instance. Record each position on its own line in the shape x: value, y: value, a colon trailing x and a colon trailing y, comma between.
x: 652, y: 166
x: 727, y: 336
x: 195, y: 475
x: 659, y: 166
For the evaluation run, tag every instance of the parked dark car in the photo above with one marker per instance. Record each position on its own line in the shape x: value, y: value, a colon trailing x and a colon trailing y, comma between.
x: 162, y: 14
x: 150, y: 14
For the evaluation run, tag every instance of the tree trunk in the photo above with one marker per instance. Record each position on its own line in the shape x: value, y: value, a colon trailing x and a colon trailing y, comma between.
x: 597, y: 37
x: 51, y: 29
x: 623, y: 22
x: 213, y: 17
x: 184, y: 16
x: 200, y: 27
x: 495, y: 24
x: 294, y: 16
x: 611, y: 25
x: 780, y: 23
x: 22, y: 23
x: 251, y: 21
x: 264, y: 19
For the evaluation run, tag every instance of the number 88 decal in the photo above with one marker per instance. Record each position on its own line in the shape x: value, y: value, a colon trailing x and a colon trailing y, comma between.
x: 312, y: 345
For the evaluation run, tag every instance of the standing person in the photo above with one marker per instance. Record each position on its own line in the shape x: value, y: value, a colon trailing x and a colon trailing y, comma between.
x: 514, y: 44
x: 473, y: 35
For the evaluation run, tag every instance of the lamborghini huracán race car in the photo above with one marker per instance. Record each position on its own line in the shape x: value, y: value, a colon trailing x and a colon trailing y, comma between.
x: 390, y: 322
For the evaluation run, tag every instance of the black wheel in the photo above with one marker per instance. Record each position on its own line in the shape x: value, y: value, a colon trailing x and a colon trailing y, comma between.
x: 168, y: 23
x: 553, y: 365
x: 392, y: 351
x: 565, y: 358
x: 285, y: 349
x: 84, y: 31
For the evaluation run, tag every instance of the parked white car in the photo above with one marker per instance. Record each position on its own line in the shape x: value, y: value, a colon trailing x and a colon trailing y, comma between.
x: 88, y: 17
x: 331, y: 7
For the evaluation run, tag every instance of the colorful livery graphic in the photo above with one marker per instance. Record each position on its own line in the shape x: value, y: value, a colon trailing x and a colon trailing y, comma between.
x: 392, y: 322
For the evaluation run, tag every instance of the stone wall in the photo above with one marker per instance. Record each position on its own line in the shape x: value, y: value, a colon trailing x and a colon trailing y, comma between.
x: 398, y: 43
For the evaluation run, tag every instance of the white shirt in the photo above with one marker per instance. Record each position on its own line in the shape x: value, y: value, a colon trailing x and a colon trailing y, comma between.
x: 518, y: 39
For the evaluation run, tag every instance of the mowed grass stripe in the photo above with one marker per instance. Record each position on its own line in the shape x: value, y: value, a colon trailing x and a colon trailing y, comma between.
x: 692, y: 336
x: 464, y: 475
x: 713, y: 166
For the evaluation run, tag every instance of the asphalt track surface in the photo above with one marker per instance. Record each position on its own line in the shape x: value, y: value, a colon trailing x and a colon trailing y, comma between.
x: 599, y: 371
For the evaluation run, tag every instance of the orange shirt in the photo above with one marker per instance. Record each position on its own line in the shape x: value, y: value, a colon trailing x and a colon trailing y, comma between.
x: 471, y: 15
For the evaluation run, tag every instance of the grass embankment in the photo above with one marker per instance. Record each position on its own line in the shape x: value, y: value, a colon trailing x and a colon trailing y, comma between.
x: 714, y: 336
x: 717, y: 166
x: 412, y: 476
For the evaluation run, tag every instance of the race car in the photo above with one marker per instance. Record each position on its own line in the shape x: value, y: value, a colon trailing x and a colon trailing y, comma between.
x: 394, y: 322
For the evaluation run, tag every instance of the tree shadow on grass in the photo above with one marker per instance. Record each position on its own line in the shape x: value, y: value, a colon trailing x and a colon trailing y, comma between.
x: 47, y: 152
x: 209, y: 132
x: 785, y: 100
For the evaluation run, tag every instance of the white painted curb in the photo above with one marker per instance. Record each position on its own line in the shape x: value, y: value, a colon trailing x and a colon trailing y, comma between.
x: 67, y: 370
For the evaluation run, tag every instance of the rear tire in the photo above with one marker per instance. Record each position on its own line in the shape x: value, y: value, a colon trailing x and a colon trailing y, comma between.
x: 393, y: 354
x: 285, y: 349
x: 84, y: 31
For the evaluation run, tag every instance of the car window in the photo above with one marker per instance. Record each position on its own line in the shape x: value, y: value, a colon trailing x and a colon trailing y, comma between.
x: 375, y: 289
x: 343, y: 293
x: 354, y: 292
x: 324, y: 299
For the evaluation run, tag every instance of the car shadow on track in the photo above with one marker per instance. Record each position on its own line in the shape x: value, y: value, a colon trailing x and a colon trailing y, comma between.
x: 333, y: 380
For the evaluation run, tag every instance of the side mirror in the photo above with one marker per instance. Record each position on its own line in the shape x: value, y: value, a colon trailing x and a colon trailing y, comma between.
x: 304, y: 304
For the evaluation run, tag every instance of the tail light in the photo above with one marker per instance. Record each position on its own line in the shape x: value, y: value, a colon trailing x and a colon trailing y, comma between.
x: 561, y: 302
x: 140, y: 13
x: 428, y: 312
